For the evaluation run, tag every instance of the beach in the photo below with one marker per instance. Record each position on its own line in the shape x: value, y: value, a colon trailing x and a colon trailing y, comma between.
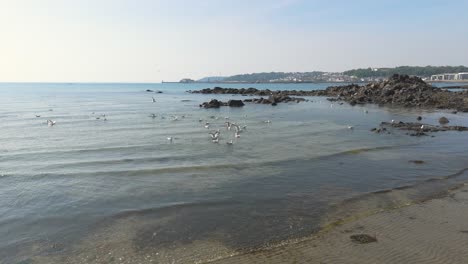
x: 433, y: 231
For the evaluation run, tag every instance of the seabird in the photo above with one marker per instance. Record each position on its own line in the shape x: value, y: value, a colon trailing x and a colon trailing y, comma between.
x: 422, y: 127
x: 216, y: 140
x: 207, y: 126
x: 236, y: 135
x: 393, y: 121
x: 154, y: 100
x: 214, y: 135
x: 37, y: 115
x: 268, y: 121
x: 230, y: 142
x: 366, y: 111
x: 350, y: 127
x: 170, y: 139
x: 153, y: 116
x: 50, y: 122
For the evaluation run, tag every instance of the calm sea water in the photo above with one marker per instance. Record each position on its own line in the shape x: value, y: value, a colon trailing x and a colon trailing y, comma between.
x: 86, y: 182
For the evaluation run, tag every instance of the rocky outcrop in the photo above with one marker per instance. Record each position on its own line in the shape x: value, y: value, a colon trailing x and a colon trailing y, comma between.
x: 399, y: 90
x: 212, y: 104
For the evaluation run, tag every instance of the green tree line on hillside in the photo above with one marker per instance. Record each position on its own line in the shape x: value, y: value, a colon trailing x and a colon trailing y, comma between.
x: 268, y: 76
x: 409, y: 70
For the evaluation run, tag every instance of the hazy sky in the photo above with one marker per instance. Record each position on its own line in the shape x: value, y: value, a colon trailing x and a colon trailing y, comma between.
x: 150, y: 41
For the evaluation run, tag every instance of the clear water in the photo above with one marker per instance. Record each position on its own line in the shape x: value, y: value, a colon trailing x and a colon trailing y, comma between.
x: 69, y: 182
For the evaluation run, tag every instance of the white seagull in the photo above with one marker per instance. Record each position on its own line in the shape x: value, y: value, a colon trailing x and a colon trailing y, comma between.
x: 236, y: 135
x: 170, y: 139
x: 51, y: 122
x: 216, y: 140
x: 350, y: 127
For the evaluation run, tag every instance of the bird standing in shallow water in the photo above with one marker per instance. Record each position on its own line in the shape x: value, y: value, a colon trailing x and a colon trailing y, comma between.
x: 154, y: 100
x: 230, y: 142
x: 51, y: 122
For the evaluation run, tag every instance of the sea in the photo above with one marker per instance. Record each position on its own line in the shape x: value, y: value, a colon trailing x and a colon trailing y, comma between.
x: 106, y: 184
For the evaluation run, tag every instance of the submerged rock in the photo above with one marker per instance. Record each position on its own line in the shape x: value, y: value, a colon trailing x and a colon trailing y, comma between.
x: 363, y: 238
x: 422, y: 129
x: 443, y: 120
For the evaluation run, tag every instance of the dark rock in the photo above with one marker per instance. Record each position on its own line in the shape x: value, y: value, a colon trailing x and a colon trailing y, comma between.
x: 212, y: 104
x: 363, y: 238
x: 235, y: 103
x: 443, y: 120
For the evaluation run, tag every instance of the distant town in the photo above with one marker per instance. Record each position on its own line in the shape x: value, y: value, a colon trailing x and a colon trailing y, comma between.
x: 427, y: 73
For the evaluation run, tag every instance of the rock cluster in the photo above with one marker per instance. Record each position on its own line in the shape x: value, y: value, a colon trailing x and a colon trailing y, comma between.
x: 271, y: 100
x: 217, y: 104
x: 254, y: 91
x: 400, y: 90
x: 418, y: 129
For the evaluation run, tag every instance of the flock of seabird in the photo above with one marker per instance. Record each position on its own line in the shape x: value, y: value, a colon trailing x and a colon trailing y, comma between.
x: 214, y: 135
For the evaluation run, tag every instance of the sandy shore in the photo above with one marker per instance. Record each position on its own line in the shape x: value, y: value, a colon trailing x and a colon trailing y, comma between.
x: 423, y: 223
x: 434, y: 231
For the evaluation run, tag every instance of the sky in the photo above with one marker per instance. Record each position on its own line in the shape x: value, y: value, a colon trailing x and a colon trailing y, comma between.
x: 155, y: 40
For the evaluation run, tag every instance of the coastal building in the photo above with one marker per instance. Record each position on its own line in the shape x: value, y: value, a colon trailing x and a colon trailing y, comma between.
x: 450, y: 76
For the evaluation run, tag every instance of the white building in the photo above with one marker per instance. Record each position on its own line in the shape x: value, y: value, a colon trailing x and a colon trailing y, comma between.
x: 450, y: 76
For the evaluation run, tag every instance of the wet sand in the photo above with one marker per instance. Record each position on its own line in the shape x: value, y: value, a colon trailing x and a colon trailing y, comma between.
x: 433, y: 231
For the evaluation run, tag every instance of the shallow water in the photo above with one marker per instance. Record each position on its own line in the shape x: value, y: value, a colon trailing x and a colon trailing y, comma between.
x: 87, y: 182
